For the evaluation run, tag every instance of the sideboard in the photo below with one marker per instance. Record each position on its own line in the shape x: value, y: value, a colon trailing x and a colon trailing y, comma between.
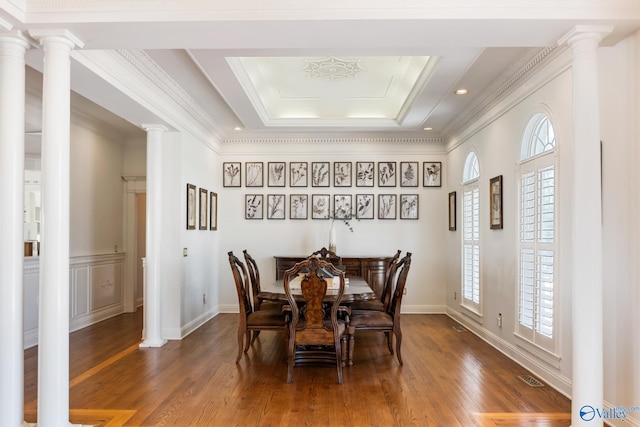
x: 372, y: 268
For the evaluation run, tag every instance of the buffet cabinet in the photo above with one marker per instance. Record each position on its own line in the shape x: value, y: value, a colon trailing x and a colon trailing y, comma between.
x: 372, y: 269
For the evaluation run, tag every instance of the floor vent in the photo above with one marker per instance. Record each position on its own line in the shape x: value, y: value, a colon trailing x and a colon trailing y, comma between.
x: 459, y: 328
x: 531, y: 381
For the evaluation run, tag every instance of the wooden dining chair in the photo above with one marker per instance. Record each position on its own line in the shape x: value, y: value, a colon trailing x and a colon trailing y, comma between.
x: 254, y: 279
x: 327, y: 255
x: 250, y: 319
x: 384, y: 298
x: 387, y: 321
x: 314, y: 335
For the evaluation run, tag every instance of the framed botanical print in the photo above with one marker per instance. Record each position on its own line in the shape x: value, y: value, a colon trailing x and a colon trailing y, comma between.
x: 213, y: 211
x: 298, y: 206
x: 452, y: 211
x: 275, y: 206
x: 320, y: 206
x: 231, y: 174
x: 253, y: 174
x: 276, y: 174
x: 408, y: 206
x: 364, y: 206
x: 365, y: 172
x: 320, y: 172
x: 253, y: 206
x: 495, y: 190
x: 342, y: 206
x: 386, y: 206
x: 432, y: 172
x: 409, y: 174
x: 342, y: 174
x: 387, y: 174
x: 298, y: 174
x: 191, y: 207
x: 204, y: 196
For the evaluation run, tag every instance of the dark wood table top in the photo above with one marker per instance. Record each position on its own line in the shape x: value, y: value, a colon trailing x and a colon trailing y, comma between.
x: 356, y: 289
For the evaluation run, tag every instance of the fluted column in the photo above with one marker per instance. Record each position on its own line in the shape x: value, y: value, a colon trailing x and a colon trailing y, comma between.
x: 12, y: 87
x: 586, y: 292
x: 53, y: 340
x: 153, y: 277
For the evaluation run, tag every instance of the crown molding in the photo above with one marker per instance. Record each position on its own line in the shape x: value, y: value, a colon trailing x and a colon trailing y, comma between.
x: 513, y: 78
x: 333, y: 140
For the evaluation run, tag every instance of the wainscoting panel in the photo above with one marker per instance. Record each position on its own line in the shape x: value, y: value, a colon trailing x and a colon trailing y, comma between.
x: 96, y: 289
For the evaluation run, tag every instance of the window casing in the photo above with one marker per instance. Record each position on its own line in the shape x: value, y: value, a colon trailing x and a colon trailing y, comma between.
x: 471, y: 235
x: 537, y: 288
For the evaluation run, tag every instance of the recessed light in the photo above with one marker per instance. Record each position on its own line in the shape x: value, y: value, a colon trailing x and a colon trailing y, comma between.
x: 237, y: 128
x: 462, y: 92
x: 427, y: 128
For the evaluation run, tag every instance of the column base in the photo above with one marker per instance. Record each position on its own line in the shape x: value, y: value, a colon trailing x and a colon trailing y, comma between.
x: 152, y: 343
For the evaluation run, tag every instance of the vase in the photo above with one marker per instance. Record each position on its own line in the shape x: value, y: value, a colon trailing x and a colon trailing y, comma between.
x: 332, y: 238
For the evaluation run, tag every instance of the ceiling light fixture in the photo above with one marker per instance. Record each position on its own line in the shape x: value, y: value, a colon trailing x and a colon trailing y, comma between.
x: 462, y: 92
x: 427, y: 128
x: 237, y: 128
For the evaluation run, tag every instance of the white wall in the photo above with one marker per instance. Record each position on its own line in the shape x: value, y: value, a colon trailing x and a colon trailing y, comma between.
x: 96, y: 191
x: 264, y: 239
x: 199, y: 166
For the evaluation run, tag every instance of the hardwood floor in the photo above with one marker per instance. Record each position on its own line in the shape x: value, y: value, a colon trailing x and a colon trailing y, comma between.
x: 449, y: 378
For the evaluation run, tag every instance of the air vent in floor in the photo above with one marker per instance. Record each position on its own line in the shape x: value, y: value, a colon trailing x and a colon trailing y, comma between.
x: 531, y: 381
x: 459, y: 328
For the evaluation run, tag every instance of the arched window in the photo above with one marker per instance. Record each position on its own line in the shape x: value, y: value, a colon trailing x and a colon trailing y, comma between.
x: 537, y: 235
x: 471, y: 234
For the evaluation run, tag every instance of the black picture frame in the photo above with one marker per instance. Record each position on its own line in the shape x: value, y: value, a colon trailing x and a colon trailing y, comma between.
x: 213, y: 211
x: 276, y: 174
x: 365, y: 174
x: 387, y: 174
x: 191, y: 206
x: 495, y: 202
x: 276, y: 206
x: 298, y: 174
x: 409, y: 174
x: 253, y: 206
x: 254, y: 174
x: 298, y: 206
x: 231, y: 174
x: 342, y: 174
x: 320, y: 174
x: 452, y: 211
x: 409, y: 206
x: 203, y: 203
x: 432, y: 174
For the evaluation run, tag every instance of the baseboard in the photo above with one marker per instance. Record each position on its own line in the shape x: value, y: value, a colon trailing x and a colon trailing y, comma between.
x: 197, y: 322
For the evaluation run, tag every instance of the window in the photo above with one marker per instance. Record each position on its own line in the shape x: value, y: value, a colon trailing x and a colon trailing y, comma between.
x: 537, y: 235
x: 471, y: 234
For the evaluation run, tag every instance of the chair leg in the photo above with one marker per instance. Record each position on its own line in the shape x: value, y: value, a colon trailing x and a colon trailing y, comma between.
x: 248, y: 341
x: 352, y: 338
x: 338, y: 345
x: 387, y: 334
x: 398, y: 334
x: 290, y: 360
x: 255, y: 335
x: 241, y: 334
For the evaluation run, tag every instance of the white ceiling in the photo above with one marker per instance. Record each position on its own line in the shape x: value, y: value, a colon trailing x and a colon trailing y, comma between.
x: 260, y: 67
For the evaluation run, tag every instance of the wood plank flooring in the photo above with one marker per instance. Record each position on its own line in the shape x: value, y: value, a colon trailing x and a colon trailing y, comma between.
x: 449, y: 379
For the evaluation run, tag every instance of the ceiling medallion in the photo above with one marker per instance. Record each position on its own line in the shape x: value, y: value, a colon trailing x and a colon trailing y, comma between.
x: 333, y: 68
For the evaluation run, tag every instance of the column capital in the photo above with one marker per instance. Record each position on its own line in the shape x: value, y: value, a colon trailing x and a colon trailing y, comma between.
x: 18, y: 38
x: 59, y: 34
x: 586, y: 32
x: 154, y: 127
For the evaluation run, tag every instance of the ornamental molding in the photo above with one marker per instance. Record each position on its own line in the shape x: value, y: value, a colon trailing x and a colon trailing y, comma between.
x: 333, y: 68
x: 511, y: 79
x: 333, y: 140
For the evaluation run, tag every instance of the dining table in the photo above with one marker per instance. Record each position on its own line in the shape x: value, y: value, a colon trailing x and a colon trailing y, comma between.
x: 356, y: 289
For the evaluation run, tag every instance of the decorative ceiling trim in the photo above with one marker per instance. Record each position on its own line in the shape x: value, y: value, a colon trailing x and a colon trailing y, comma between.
x: 333, y: 68
x: 512, y: 78
x: 144, y: 64
x: 334, y: 140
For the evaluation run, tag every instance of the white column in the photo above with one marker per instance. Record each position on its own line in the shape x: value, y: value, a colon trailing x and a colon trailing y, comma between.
x: 53, y: 340
x: 153, y: 280
x: 12, y: 87
x: 587, y: 378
